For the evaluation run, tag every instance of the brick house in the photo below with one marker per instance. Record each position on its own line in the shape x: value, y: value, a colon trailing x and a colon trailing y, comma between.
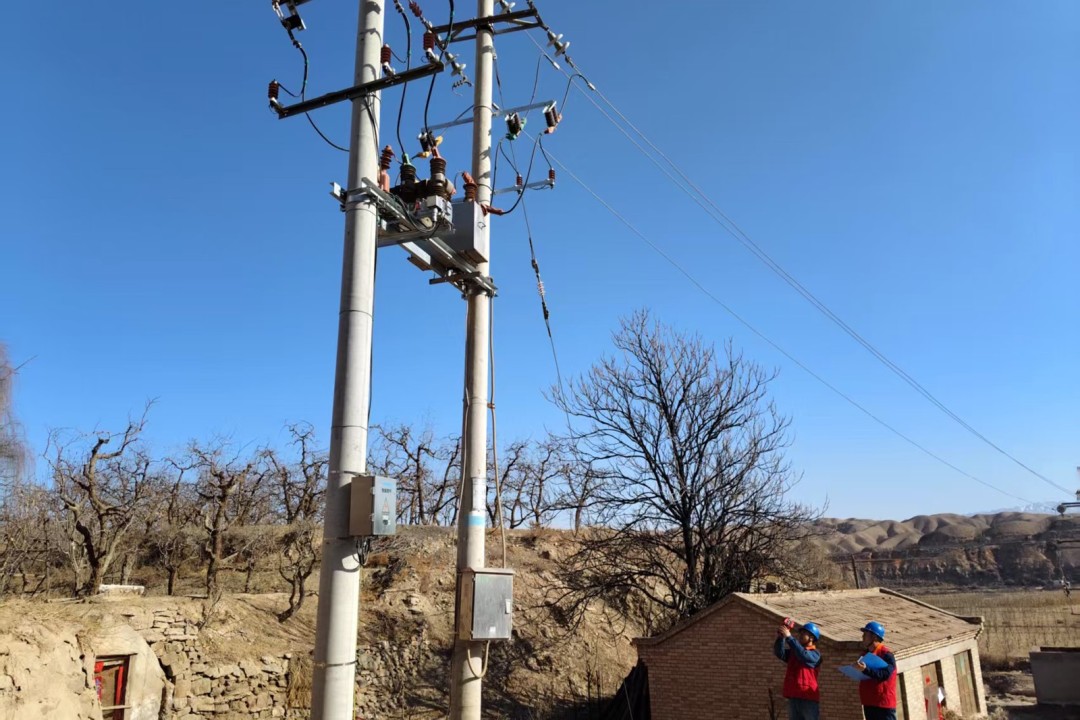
x: 718, y: 665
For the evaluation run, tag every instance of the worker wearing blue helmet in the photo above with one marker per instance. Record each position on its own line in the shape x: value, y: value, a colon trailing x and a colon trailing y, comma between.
x: 796, y: 646
x: 878, y: 691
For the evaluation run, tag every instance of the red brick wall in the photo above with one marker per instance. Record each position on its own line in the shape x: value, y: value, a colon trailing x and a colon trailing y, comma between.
x: 722, y: 667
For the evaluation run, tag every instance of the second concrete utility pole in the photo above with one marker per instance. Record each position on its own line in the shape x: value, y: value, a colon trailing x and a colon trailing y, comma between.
x: 467, y: 666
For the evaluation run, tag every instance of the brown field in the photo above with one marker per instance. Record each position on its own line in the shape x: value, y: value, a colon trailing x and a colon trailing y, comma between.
x: 1016, y: 621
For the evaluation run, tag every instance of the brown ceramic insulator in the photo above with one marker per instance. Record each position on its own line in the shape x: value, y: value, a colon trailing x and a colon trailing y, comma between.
x: 438, y: 168
x: 415, y: 7
x: 429, y: 40
x: 385, y: 55
x: 386, y: 158
x: 272, y: 91
x: 551, y: 176
x: 519, y: 180
x: 470, y: 187
x: 408, y: 174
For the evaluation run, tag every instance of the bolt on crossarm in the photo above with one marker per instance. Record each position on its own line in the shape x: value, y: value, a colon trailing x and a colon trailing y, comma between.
x: 334, y: 682
x: 468, y: 659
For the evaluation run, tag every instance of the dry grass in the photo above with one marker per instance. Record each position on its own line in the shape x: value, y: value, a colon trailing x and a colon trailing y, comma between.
x: 1016, y: 622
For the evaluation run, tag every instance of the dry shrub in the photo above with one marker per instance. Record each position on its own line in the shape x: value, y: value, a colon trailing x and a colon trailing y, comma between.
x: 300, y: 678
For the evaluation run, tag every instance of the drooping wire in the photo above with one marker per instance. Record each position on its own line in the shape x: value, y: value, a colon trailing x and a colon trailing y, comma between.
x: 408, y: 65
x: 528, y: 226
x: 431, y: 86
x: 303, y: 92
x: 711, y: 208
x: 697, y: 284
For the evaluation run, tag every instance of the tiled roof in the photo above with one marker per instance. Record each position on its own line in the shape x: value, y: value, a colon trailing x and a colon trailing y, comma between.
x: 909, y: 623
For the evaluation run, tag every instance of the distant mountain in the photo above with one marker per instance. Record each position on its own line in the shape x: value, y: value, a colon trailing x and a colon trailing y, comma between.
x: 1005, y: 548
x: 1048, y: 506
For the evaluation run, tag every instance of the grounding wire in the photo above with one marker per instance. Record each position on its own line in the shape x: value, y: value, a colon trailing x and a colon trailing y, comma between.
x: 717, y: 214
x: 696, y: 283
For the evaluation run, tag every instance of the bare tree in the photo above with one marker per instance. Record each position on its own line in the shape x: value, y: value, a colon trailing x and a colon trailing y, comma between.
x: 13, y: 450
x: 301, y: 489
x: 426, y: 471
x: 26, y: 518
x: 548, y: 463
x: 579, y: 482
x: 229, y: 488
x: 512, y: 478
x: 171, y: 530
x: 692, y: 479
x: 102, y: 490
x: 529, y: 473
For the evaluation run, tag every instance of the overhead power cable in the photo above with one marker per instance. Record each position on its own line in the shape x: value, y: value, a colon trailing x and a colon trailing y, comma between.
x: 696, y: 283
x: 702, y: 199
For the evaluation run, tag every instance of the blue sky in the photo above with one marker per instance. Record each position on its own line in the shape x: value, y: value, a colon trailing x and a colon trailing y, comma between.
x: 916, y: 165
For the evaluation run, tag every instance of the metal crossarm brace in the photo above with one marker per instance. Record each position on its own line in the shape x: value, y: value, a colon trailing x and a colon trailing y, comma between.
x: 356, y: 91
x: 495, y: 110
x: 515, y: 18
x: 544, y: 184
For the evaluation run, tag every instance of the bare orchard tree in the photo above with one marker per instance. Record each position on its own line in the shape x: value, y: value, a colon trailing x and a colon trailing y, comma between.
x: 529, y: 473
x: 102, y: 488
x: 425, y: 470
x: 13, y: 449
x: 26, y: 544
x: 171, y: 532
x: 579, y: 481
x: 300, y: 488
x: 228, y: 487
x: 693, y: 486
x: 511, y: 486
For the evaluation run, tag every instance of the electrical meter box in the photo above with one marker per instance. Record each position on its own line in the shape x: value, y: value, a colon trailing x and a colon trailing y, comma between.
x: 373, y: 506
x: 466, y: 238
x: 485, y: 604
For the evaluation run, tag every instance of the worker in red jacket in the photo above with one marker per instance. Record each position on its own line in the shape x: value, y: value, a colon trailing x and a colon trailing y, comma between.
x: 803, y: 661
x: 878, y: 692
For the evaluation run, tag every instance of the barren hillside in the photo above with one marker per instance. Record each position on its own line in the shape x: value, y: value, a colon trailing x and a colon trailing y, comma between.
x: 998, y: 549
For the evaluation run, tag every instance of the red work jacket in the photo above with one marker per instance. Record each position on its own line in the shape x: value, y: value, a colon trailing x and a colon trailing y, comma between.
x: 879, y: 693
x: 800, y: 681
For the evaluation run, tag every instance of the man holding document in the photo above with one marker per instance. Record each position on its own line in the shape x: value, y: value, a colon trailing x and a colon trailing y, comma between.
x: 877, y: 687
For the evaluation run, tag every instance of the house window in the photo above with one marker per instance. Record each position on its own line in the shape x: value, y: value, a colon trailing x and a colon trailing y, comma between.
x: 110, y: 680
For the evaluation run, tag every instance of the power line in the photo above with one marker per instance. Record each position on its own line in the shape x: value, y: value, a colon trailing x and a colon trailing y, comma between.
x: 694, y: 281
x: 692, y: 190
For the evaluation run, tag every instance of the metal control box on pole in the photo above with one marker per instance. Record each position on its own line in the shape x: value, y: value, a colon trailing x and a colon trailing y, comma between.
x: 373, y: 512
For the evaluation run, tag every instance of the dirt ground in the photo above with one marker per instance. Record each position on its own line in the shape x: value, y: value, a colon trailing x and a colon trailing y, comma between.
x: 1013, y: 692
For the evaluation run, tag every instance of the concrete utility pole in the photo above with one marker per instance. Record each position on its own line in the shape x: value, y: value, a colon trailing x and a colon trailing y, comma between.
x: 467, y: 665
x: 334, y: 684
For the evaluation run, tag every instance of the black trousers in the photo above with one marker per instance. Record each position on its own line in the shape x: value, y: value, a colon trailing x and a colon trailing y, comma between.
x: 877, y: 713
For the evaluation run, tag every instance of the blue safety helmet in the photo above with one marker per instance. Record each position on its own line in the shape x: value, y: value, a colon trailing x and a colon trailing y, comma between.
x: 875, y: 628
x: 813, y: 629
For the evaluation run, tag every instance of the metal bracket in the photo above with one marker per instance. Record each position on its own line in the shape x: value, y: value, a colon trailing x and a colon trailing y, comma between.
x: 538, y: 185
x: 516, y: 19
x: 427, y: 250
x: 495, y: 110
x: 356, y: 91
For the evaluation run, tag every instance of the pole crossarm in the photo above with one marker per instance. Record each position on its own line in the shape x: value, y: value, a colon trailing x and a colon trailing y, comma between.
x: 516, y: 20
x: 387, y: 81
x: 495, y: 110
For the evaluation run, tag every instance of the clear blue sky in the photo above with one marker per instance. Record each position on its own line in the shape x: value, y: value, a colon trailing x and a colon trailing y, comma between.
x: 916, y: 165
